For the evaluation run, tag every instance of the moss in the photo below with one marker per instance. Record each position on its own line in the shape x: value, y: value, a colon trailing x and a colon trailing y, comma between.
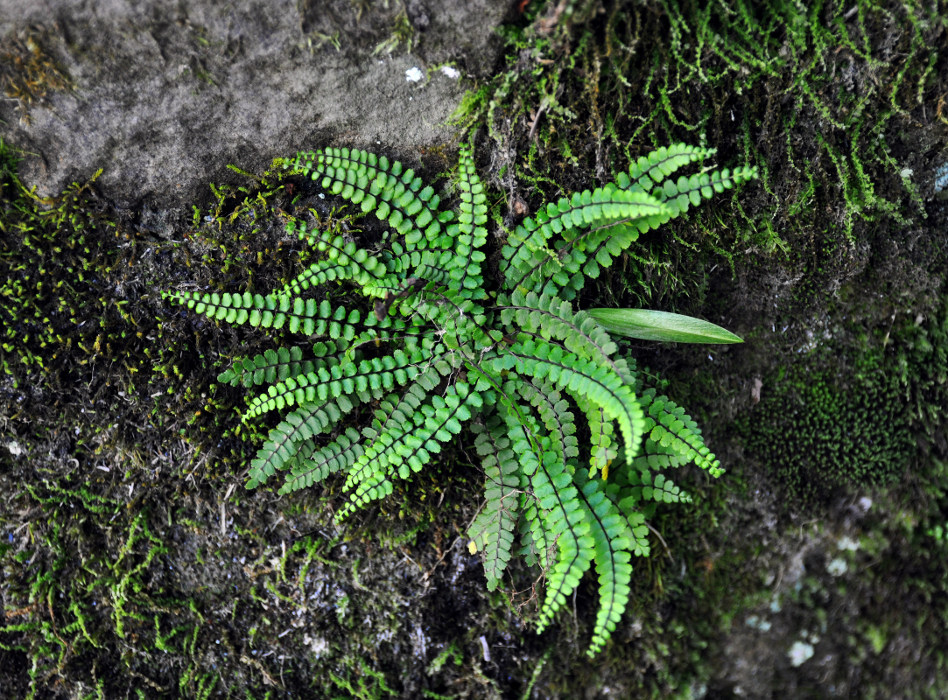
x: 920, y: 365
x: 52, y: 294
x: 584, y: 91
x: 819, y: 432
x: 855, y: 413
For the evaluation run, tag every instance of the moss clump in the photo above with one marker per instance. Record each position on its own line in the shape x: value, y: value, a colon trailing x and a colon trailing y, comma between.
x: 819, y: 432
x: 54, y: 254
x: 921, y: 367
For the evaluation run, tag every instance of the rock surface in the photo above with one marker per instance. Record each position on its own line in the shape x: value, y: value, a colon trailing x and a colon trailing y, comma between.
x: 164, y: 95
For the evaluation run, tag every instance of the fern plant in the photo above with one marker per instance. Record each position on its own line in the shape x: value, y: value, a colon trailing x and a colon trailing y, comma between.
x: 439, y: 348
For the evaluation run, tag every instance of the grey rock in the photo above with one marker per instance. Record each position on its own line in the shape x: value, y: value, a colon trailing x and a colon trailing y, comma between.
x: 165, y: 94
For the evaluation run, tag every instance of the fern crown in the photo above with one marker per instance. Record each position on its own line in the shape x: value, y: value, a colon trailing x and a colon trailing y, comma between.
x: 432, y: 352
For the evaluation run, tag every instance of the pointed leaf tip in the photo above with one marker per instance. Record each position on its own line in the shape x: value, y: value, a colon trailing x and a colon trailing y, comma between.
x: 662, y: 326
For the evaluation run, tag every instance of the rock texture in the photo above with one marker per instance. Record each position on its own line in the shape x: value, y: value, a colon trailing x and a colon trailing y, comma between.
x: 164, y: 95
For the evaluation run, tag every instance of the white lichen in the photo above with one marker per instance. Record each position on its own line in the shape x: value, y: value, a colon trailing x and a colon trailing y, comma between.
x: 800, y: 653
x: 837, y: 567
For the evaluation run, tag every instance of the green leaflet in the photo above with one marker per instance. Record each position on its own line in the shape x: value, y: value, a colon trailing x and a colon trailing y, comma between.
x: 429, y: 352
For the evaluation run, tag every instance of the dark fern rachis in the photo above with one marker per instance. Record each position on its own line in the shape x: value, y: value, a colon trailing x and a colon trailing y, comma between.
x: 520, y: 368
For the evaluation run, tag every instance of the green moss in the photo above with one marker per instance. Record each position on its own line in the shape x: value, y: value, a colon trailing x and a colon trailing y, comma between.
x: 920, y: 364
x: 855, y: 415
x: 582, y: 90
x: 818, y: 432
x: 52, y: 257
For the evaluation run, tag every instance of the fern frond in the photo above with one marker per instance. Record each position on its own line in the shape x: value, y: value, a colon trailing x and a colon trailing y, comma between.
x: 456, y: 317
x: 374, y: 376
x: 554, y: 412
x: 334, y: 457
x: 612, y: 542
x: 344, y: 261
x: 551, y: 317
x: 668, y: 425
x: 526, y: 250
x: 385, y: 188
x: 282, y: 443
x: 565, y: 519
x: 678, y: 195
x: 628, y: 506
x: 394, y: 417
x: 275, y: 364
x: 583, y: 256
x: 602, y: 445
x: 579, y: 377
x: 464, y: 266
x: 659, y: 165
x: 407, y: 451
x: 404, y: 261
x: 492, y: 531
x: 560, y: 511
x: 536, y: 548
x: 305, y: 316
x: 643, y: 486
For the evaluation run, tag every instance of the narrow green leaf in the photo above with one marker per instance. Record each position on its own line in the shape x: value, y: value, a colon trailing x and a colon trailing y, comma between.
x: 662, y: 326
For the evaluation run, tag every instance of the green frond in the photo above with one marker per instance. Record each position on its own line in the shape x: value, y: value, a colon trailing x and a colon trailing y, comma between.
x: 654, y: 457
x: 343, y: 261
x: 554, y: 412
x: 306, y: 316
x: 536, y: 548
x: 668, y: 425
x: 404, y: 263
x: 602, y: 444
x: 612, y: 542
x: 394, y: 417
x: 274, y: 365
x: 337, y: 456
x: 282, y: 443
x: 564, y: 517
x: 526, y: 250
x: 411, y: 445
x: 643, y: 486
x: 579, y: 377
x: 385, y: 188
x: 659, y: 165
x: 374, y: 377
x: 679, y: 194
x: 582, y: 257
x: 560, y: 512
x: 591, y: 241
x: 628, y: 506
x: 492, y: 531
x: 470, y: 232
x: 551, y: 317
x: 456, y: 317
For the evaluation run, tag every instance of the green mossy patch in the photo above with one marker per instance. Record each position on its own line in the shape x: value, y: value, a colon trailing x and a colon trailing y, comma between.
x: 828, y: 99
x: 134, y: 563
x: 820, y: 431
